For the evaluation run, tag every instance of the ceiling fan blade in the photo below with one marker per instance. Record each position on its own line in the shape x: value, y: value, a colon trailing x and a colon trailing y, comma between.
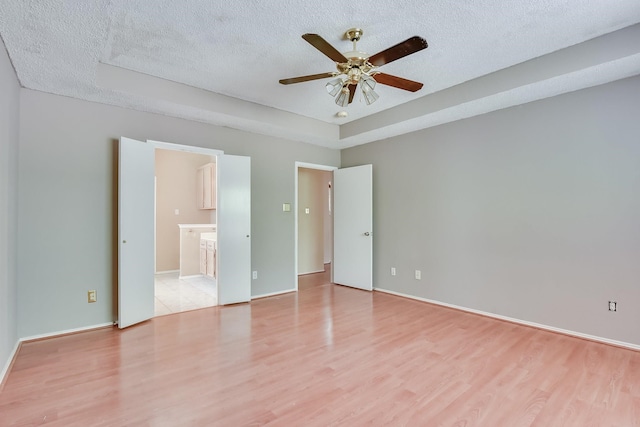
x: 306, y: 78
x: 323, y: 46
x: 407, y: 47
x: 399, y: 82
x: 352, y: 92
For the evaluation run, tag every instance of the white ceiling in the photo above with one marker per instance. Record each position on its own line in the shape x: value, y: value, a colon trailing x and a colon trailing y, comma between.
x: 220, y: 61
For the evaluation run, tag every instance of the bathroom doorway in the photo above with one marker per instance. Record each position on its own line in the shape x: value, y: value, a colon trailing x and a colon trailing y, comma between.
x: 184, y: 221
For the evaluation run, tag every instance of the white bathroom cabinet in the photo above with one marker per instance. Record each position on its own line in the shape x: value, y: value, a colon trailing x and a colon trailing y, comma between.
x: 208, y: 257
x: 191, y: 237
x: 206, y: 186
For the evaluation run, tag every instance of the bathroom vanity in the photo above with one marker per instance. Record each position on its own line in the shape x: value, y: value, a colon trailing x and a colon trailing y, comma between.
x: 208, y: 254
x: 191, y: 238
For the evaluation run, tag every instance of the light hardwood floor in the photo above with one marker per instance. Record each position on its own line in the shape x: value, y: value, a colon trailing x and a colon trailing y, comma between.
x: 326, y: 356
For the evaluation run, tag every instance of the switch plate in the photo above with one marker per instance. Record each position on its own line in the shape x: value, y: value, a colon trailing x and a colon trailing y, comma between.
x: 306, y: 210
x: 92, y: 296
x: 613, y: 306
x: 418, y: 275
x: 176, y: 211
x: 286, y: 207
x: 255, y: 275
x: 393, y: 271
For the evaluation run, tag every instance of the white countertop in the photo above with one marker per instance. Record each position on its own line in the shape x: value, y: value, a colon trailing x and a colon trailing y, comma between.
x: 197, y: 226
x: 209, y: 236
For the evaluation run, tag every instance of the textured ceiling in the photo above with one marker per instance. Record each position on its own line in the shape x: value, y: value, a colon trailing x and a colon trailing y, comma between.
x: 220, y: 62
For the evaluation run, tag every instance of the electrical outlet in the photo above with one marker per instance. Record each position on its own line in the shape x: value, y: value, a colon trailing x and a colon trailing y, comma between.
x: 613, y: 306
x: 393, y: 271
x: 418, y: 274
x: 92, y: 296
x: 255, y: 275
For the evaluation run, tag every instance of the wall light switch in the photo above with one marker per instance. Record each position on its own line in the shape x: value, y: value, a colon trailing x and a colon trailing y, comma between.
x: 286, y: 207
x: 177, y: 211
x: 418, y: 275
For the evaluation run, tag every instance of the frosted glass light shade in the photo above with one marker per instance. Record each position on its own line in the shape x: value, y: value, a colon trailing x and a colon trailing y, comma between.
x: 343, y: 97
x: 367, y: 84
x: 334, y: 86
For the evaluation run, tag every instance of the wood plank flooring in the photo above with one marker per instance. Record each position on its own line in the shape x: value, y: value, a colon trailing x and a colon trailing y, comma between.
x: 326, y: 356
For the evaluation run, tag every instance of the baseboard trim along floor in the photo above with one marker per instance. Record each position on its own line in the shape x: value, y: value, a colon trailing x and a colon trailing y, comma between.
x: 595, y: 338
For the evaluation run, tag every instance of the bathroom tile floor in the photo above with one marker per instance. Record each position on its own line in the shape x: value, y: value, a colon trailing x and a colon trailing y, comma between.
x: 174, y: 295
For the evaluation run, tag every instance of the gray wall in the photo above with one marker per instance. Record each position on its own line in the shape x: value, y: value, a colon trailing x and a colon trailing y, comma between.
x: 67, y: 206
x: 9, y: 126
x: 532, y: 212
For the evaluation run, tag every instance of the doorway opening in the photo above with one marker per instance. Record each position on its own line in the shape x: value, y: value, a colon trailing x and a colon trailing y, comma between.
x: 314, y: 220
x: 185, y: 231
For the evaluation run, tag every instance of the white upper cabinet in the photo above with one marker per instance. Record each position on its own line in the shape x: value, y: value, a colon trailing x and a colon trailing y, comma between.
x: 206, y: 186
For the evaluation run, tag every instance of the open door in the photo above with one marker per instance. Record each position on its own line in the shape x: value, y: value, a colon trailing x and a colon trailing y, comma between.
x: 234, y: 229
x: 135, y: 232
x: 353, y: 227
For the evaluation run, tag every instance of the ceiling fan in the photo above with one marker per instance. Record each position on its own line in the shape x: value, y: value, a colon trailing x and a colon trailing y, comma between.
x: 357, y: 67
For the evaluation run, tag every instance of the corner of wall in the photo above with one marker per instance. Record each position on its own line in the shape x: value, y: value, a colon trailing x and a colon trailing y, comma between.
x: 9, y: 138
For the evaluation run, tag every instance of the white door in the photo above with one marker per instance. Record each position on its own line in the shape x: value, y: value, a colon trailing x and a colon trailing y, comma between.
x: 135, y: 232
x: 353, y: 227
x: 234, y: 229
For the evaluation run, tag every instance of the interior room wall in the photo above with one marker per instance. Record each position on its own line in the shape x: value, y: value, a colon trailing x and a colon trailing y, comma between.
x: 9, y: 137
x: 531, y: 212
x: 176, y: 189
x: 68, y: 200
x: 311, y: 226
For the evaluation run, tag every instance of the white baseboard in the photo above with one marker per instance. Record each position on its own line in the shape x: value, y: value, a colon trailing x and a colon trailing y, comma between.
x: 65, y: 332
x: 7, y: 366
x: 192, y: 276
x: 273, y: 294
x: 12, y: 356
x: 518, y: 321
x: 167, y: 271
x: 311, y: 272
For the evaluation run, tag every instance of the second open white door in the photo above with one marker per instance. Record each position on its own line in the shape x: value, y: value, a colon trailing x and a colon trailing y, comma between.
x: 353, y: 227
x: 234, y: 229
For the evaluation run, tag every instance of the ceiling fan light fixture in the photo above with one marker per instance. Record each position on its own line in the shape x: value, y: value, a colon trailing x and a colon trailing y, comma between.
x: 367, y: 83
x: 334, y: 86
x: 370, y: 96
x: 355, y: 68
x: 343, y: 97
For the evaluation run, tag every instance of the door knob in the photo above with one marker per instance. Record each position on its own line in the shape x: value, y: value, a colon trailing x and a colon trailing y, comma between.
x: 366, y: 233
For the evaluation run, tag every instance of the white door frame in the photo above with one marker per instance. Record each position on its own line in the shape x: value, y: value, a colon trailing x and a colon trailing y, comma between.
x: 299, y: 165
x: 186, y: 148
